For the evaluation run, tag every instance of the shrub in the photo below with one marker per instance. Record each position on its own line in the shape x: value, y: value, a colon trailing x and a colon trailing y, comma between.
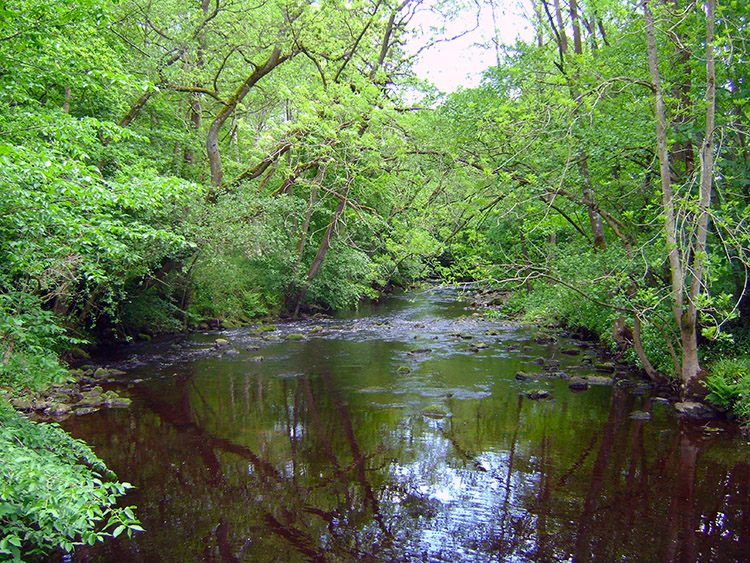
x: 30, y: 338
x: 729, y: 383
x: 54, y: 491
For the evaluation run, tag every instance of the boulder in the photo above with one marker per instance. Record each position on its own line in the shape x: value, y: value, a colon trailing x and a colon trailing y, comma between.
x: 90, y: 401
x: 115, y: 401
x: 24, y: 404
x: 58, y: 409
x: 295, y: 336
x: 692, y: 409
x: 600, y: 380
x: 221, y: 342
x: 536, y: 394
x: 461, y: 335
x: 640, y: 415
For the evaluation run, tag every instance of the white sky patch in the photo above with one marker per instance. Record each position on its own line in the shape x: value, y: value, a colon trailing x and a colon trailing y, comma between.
x: 460, y: 61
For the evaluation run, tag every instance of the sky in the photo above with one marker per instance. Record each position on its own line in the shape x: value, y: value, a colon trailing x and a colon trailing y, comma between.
x: 460, y: 62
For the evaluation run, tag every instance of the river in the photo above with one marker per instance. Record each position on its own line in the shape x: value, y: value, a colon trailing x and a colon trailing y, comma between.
x: 400, y: 433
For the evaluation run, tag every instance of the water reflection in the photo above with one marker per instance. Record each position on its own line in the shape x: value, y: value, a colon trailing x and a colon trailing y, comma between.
x: 326, y: 452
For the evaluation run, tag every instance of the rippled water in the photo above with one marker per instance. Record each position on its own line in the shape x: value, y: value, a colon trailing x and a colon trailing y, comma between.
x: 402, y: 434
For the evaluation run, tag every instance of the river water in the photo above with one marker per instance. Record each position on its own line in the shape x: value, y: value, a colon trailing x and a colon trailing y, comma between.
x: 402, y: 434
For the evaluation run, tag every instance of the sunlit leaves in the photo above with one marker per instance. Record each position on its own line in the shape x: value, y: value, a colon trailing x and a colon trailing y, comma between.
x: 55, y: 492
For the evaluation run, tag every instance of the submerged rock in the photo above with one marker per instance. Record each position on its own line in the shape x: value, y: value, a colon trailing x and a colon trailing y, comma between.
x: 461, y: 335
x: 104, y: 373
x: 263, y: 328
x: 295, y: 336
x: 600, y: 380
x: 526, y: 376
x: 436, y: 411
x: 578, y: 383
x: 403, y: 369
x: 373, y: 390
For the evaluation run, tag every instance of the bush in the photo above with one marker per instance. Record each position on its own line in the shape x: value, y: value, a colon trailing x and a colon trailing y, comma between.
x: 31, y: 338
x: 54, y: 491
x: 729, y: 383
x: 231, y: 287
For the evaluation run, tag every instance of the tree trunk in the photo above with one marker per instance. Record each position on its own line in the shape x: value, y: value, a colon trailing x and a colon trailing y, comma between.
x: 662, y: 151
x: 136, y: 108
x: 592, y: 206
x: 685, y: 315
x: 690, y: 366
x: 325, y: 244
x: 308, y: 216
x: 66, y: 102
x: 212, y: 139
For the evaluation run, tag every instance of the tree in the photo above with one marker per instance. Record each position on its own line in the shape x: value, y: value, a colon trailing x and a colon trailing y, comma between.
x: 687, y: 257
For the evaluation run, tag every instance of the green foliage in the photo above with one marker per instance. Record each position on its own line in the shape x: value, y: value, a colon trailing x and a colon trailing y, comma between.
x: 54, y: 492
x: 31, y: 338
x: 729, y: 383
x: 345, y: 279
x: 153, y: 311
x: 233, y: 287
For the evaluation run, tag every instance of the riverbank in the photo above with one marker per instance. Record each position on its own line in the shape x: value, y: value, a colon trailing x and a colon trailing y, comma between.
x: 93, y: 387
x: 722, y: 394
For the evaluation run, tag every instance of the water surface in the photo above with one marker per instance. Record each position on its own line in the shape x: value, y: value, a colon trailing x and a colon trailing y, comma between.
x: 402, y: 434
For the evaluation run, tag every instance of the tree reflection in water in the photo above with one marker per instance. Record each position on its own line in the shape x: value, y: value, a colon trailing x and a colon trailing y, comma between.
x: 260, y: 463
